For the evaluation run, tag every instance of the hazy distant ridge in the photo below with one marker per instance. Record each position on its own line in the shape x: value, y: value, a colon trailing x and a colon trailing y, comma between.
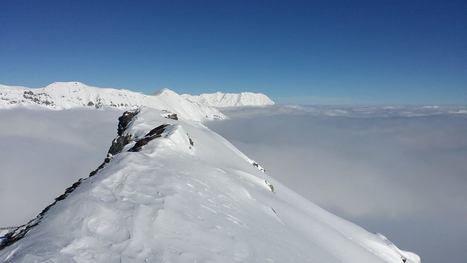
x: 220, y: 99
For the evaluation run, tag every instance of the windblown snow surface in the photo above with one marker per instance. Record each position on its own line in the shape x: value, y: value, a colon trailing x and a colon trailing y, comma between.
x: 221, y: 100
x: 178, y: 192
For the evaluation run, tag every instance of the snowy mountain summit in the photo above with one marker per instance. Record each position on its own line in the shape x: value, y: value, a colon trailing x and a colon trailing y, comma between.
x: 172, y: 190
x: 220, y: 99
x: 66, y: 95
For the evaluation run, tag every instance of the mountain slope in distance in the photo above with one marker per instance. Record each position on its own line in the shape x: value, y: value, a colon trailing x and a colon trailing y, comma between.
x: 222, y: 100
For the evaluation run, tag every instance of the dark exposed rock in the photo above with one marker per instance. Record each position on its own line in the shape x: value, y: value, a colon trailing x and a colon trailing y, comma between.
x: 90, y: 103
x: 151, y: 135
x: 273, y: 210
x: 140, y: 143
x: 157, y: 131
x: 124, y: 120
x: 13, y: 236
x: 102, y: 165
x: 172, y: 116
x: 38, y: 98
x: 98, y: 103
x: 271, y: 187
x: 20, y: 231
x: 68, y: 191
x: 255, y: 164
x: 119, y: 143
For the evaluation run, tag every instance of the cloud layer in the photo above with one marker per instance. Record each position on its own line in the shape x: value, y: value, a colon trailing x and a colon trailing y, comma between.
x: 43, y: 152
x: 396, y: 170
x: 380, y: 167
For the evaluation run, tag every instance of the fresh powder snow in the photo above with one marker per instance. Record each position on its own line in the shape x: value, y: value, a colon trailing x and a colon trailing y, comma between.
x: 172, y: 190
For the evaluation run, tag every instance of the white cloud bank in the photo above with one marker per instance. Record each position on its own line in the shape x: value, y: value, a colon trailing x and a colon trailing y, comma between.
x: 399, y: 169
x: 43, y: 152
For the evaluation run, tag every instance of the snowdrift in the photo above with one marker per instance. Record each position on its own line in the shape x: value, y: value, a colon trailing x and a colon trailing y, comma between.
x: 171, y: 190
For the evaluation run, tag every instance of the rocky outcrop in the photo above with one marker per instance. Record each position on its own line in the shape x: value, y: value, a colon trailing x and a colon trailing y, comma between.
x: 153, y: 134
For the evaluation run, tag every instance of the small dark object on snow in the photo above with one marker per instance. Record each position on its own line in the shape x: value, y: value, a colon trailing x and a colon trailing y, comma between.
x: 255, y: 164
x: 271, y: 187
x: 172, y: 116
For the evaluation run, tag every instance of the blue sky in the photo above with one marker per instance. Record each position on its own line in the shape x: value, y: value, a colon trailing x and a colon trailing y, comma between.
x: 299, y: 52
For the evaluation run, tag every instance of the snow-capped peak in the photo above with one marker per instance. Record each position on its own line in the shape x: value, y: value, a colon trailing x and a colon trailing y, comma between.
x: 66, y: 84
x: 219, y: 99
x: 172, y: 190
x: 165, y: 91
x: 66, y: 95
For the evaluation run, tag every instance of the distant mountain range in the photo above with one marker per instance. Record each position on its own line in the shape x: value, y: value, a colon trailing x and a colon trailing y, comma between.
x: 65, y: 95
x: 220, y: 99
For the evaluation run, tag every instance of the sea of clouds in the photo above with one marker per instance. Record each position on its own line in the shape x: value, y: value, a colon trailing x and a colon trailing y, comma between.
x: 42, y: 152
x: 401, y: 171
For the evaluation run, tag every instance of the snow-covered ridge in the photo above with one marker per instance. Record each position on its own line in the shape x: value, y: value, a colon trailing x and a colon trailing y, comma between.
x: 66, y: 95
x: 220, y: 99
x: 172, y: 190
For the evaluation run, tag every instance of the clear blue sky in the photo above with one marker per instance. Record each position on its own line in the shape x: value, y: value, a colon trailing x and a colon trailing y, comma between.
x: 336, y: 51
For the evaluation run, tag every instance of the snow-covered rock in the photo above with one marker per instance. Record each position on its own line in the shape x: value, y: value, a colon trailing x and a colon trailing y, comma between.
x: 66, y: 95
x: 220, y: 99
x: 174, y: 191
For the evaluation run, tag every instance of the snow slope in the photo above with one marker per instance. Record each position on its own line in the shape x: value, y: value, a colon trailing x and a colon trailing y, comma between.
x: 175, y: 191
x: 220, y: 99
x: 66, y: 95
